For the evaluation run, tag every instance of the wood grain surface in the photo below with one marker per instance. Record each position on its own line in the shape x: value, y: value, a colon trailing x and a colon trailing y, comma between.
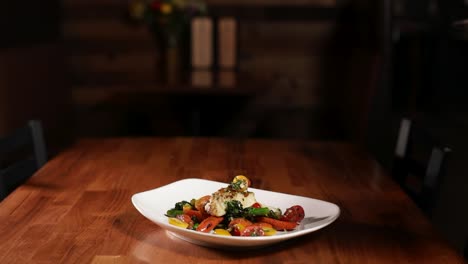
x: 77, y: 208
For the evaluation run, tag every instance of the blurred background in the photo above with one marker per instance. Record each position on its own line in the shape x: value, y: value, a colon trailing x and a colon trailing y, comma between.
x: 345, y: 70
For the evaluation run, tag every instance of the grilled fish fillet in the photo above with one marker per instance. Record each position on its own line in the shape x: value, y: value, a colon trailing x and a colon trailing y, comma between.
x: 217, y: 204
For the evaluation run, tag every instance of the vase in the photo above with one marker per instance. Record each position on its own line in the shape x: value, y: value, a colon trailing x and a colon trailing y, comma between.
x: 170, y: 58
x: 173, y: 63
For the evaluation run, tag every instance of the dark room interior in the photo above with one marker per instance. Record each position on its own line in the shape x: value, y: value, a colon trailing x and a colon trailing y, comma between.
x: 302, y: 70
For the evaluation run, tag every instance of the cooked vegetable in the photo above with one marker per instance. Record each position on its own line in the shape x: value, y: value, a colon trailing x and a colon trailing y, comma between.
x: 209, y: 224
x: 201, y: 202
x: 251, y: 211
x: 237, y: 229
x: 264, y: 225
x: 222, y: 232
x: 240, y: 183
x: 173, y: 212
x: 274, y: 213
x: 278, y: 224
x: 293, y: 214
x: 269, y: 231
x: 239, y: 221
x: 253, y: 230
x: 234, y: 211
x: 178, y: 209
x: 187, y: 219
x: 256, y: 205
x: 181, y: 205
x: 195, y: 215
x: 177, y: 222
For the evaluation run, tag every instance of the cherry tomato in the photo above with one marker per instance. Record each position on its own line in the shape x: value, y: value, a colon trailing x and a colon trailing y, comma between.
x: 241, y: 183
x: 186, y: 218
x: 293, y: 214
x: 236, y: 230
x: 256, y: 205
x: 253, y: 230
x: 237, y: 225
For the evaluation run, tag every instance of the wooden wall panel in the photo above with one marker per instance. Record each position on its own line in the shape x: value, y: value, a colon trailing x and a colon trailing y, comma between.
x: 292, y: 51
x: 105, y: 51
x: 110, y: 29
x: 299, y: 30
x: 125, y: 62
x: 33, y: 85
x: 75, y: 3
x: 105, y: 80
x: 295, y: 38
x: 300, y: 75
x: 330, y: 3
x: 3, y: 99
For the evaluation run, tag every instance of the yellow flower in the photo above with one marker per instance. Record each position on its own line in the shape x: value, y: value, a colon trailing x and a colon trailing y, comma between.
x: 166, y: 8
x: 180, y: 3
x: 137, y: 9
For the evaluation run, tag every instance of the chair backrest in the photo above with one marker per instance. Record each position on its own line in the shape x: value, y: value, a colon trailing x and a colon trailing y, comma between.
x: 419, y: 164
x: 465, y: 250
x: 21, y: 154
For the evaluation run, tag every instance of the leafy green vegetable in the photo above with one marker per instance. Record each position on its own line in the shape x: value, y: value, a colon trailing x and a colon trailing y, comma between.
x: 173, y: 212
x: 178, y: 209
x: 234, y: 209
x: 180, y: 205
x: 250, y: 211
x: 274, y: 213
x: 236, y: 185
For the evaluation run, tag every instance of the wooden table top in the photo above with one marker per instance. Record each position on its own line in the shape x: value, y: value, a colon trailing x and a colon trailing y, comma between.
x: 77, y: 208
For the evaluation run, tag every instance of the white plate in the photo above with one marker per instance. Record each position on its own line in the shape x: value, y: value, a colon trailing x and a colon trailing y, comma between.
x: 153, y: 204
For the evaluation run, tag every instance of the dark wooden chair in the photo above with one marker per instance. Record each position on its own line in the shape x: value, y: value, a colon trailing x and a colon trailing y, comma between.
x: 420, y: 163
x: 22, y: 153
x: 465, y: 251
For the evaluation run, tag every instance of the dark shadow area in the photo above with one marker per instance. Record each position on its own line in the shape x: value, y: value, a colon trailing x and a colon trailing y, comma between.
x: 350, y: 70
x: 346, y: 71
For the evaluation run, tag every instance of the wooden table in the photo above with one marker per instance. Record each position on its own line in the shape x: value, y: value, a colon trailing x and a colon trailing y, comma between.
x: 77, y: 208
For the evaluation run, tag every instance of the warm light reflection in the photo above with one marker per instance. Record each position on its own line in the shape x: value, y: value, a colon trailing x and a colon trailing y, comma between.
x: 147, y: 249
x: 202, y: 78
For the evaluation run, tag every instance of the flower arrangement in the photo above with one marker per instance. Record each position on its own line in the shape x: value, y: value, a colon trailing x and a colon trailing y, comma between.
x: 167, y: 19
